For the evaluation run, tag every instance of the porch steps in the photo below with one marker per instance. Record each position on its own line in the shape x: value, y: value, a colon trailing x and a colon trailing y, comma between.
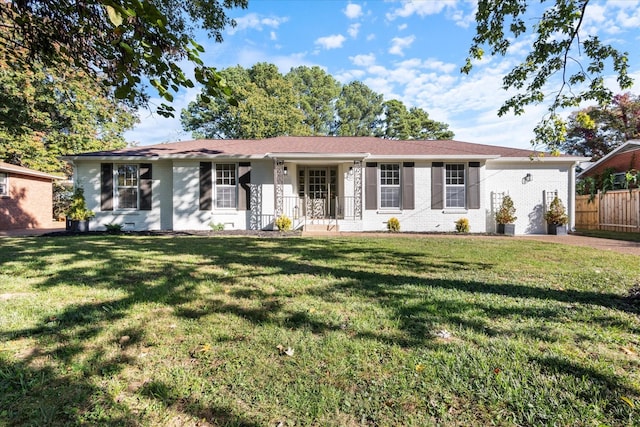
x: 320, y: 229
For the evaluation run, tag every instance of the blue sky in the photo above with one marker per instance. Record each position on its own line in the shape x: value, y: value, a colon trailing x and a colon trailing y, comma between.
x: 406, y: 50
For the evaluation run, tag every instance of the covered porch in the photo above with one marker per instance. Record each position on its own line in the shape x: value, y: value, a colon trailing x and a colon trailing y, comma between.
x: 318, y: 193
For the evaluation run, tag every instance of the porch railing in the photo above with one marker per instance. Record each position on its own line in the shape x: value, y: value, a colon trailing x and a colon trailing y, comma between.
x: 303, y: 210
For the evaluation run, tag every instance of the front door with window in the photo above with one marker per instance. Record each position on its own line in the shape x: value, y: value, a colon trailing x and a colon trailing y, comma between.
x: 317, y: 186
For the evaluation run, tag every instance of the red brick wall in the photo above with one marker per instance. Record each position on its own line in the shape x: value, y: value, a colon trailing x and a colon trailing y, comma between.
x: 620, y: 163
x: 29, y: 204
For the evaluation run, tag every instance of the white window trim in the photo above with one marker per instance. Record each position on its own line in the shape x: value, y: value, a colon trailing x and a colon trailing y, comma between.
x: 463, y: 186
x: 216, y: 185
x: 399, y: 186
x: 5, y: 181
x: 116, y: 187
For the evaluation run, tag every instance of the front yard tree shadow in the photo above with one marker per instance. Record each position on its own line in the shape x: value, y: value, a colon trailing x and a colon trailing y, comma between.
x: 142, y: 283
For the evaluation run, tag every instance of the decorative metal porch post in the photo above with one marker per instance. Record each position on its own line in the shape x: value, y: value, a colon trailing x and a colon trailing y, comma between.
x: 357, y: 188
x: 255, y: 219
x: 278, y: 179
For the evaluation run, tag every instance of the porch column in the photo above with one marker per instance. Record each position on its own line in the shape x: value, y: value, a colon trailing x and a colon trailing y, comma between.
x: 278, y: 181
x: 357, y: 189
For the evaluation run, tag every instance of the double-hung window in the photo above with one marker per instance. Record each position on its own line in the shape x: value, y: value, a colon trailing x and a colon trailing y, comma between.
x: 455, y: 196
x: 4, y: 184
x: 226, y: 185
x: 127, y: 187
x: 390, y: 186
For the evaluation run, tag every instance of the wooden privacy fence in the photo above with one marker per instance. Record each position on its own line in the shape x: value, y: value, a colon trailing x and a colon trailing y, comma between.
x: 612, y: 211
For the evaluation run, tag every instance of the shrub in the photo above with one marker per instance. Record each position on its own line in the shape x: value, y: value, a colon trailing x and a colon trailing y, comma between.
x: 393, y: 225
x: 113, y: 228
x: 506, y: 213
x: 556, y: 213
x: 462, y: 225
x: 78, y: 207
x: 216, y: 227
x: 283, y: 223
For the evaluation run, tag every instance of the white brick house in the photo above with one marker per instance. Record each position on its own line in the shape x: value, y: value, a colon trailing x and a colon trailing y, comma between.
x: 345, y: 183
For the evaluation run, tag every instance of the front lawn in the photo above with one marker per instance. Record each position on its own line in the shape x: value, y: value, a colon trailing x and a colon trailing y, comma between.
x: 144, y: 330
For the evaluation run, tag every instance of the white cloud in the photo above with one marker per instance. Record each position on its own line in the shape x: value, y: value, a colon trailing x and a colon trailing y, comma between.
x: 353, y: 11
x: 420, y: 8
x: 443, y: 67
x: 398, y: 44
x: 353, y: 30
x: 402, y: 27
x: 371, y: 37
x: 331, y: 42
x: 273, y: 35
x: 348, y: 76
x: 253, y: 21
x: 363, y: 60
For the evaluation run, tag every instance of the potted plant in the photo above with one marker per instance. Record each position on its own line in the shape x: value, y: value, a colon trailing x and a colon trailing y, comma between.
x: 78, y: 215
x: 556, y: 217
x: 505, y: 217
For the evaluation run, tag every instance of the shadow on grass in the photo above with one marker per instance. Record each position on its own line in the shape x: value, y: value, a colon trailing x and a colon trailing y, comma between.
x: 398, y: 279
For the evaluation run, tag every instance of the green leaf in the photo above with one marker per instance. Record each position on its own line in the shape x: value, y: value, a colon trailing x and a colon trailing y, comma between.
x: 114, y: 16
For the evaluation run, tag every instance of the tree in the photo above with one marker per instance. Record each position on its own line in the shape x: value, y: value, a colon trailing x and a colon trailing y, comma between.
x: 266, y: 107
x: 558, y: 50
x: 117, y: 42
x: 306, y: 101
x: 46, y: 113
x: 358, y: 110
x: 317, y: 92
x: 596, y: 131
x: 400, y: 123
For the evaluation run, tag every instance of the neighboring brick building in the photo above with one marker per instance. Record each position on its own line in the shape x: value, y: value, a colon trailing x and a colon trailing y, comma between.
x: 621, y: 160
x: 26, y: 198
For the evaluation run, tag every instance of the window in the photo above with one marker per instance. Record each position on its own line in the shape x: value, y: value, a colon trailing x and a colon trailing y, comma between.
x: 390, y: 186
x: 454, y: 186
x: 127, y: 187
x: 225, y: 185
x: 4, y: 184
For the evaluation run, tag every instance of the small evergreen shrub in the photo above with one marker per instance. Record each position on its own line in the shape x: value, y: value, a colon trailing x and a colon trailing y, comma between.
x: 507, y: 212
x: 216, y: 227
x: 393, y: 225
x: 556, y: 213
x: 462, y: 225
x: 113, y: 228
x: 283, y: 223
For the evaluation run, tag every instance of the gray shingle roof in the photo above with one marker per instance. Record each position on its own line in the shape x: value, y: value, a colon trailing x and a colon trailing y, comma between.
x: 318, y: 145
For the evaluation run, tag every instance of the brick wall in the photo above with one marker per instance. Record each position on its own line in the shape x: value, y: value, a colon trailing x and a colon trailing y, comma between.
x: 29, y: 204
x: 620, y: 163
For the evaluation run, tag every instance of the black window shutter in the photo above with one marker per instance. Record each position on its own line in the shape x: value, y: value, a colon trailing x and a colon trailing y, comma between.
x: 437, y: 201
x: 244, y: 179
x: 206, y: 186
x: 408, y: 186
x: 473, y: 186
x: 371, y: 186
x: 106, y: 187
x: 146, y: 182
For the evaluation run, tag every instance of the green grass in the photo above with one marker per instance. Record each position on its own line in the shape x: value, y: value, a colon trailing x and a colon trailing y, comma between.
x: 616, y: 235
x: 135, y: 330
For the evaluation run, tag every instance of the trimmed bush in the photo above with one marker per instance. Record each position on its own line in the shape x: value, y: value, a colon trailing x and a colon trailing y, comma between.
x: 393, y: 225
x: 283, y: 223
x: 462, y: 225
